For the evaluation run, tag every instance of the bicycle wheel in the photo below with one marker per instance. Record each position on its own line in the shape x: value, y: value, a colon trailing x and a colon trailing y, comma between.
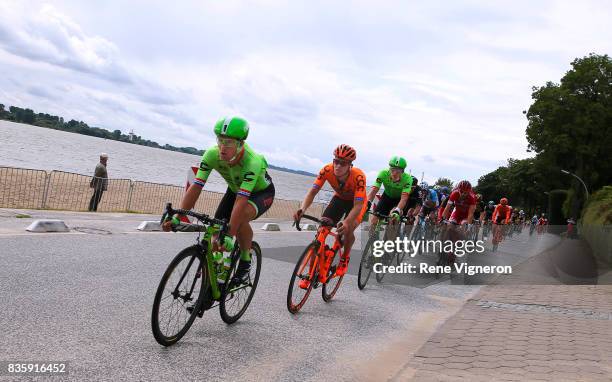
x: 386, y: 259
x: 305, y: 269
x: 496, y: 239
x: 400, y: 255
x: 235, y: 298
x: 333, y: 281
x: 366, y: 264
x: 442, y: 255
x: 185, y: 281
x: 416, y: 233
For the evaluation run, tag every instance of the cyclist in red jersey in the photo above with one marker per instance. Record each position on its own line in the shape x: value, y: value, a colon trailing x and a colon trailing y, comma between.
x: 462, y: 203
x: 348, y: 202
x: 542, y: 220
x: 460, y: 209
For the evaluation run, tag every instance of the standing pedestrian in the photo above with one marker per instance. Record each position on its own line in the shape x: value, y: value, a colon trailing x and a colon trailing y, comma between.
x: 99, y: 182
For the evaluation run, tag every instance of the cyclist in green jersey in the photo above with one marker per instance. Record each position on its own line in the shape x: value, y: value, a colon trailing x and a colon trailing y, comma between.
x: 397, y: 186
x: 250, y: 191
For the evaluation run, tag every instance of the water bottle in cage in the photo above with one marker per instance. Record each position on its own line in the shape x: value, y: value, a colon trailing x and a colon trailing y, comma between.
x: 218, y: 258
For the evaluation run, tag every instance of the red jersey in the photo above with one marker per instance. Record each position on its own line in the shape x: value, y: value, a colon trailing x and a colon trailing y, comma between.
x: 461, y: 205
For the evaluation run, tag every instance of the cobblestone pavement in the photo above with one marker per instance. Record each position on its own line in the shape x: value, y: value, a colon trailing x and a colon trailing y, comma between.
x: 523, y: 333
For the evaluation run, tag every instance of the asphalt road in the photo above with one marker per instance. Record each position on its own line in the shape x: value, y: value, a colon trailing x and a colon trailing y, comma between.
x: 86, y: 298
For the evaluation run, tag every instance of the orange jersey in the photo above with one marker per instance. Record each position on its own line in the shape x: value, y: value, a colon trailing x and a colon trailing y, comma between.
x: 503, y: 211
x: 353, y: 189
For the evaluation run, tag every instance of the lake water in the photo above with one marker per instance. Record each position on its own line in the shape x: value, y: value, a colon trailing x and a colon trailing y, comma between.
x: 34, y: 147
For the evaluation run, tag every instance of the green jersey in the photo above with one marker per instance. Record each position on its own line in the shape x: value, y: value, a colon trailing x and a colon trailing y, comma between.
x: 393, y: 189
x: 247, y: 176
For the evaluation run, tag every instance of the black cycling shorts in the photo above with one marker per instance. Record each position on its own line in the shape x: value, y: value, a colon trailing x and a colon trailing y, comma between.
x: 427, y: 210
x: 500, y: 219
x: 262, y: 201
x: 385, y: 204
x: 413, y: 202
x: 338, y: 208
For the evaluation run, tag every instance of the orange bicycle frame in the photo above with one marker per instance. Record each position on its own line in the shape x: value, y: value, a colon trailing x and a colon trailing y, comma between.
x: 321, y: 261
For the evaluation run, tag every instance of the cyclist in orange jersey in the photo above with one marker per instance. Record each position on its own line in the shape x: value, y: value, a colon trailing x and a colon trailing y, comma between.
x: 501, y: 215
x: 348, y: 202
x: 502, y: 212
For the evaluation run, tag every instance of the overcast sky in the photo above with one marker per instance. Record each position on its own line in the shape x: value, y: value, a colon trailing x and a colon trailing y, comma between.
x: 443, y: 84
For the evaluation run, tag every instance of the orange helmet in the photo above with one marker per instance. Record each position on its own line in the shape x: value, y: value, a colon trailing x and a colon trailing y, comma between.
x: 345, y: 152
x: 503, y: 201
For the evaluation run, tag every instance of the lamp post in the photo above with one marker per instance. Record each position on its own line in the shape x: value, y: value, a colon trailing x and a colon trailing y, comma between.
x: 581, y: 181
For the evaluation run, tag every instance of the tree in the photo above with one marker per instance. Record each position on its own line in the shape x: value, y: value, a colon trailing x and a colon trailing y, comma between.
x: 16, y: 113
x: 444, y: 182
x: 569, y: 124
x: 28, y: 116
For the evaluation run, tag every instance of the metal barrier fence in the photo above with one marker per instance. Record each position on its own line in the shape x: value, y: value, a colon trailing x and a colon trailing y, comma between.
x: 60, y: 190
x: 22, y: 188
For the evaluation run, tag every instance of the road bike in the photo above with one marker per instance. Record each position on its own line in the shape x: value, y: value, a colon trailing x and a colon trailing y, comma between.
x: 450, y: 232
x: 498, y: 235
x: 400, y: 229
x: 196, y: 280
x: 316, y: 266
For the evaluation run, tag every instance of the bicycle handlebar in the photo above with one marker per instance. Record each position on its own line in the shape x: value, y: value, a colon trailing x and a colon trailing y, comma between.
x: 296, y: 223
x: 380, y: 215
x: 323, y: 222
x: 169, y: 212
x: 387, y: 217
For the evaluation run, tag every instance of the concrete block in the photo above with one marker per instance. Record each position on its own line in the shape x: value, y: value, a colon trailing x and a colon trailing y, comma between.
x: 48, y: 225
x: 149, y: 226
x: 271, y: 227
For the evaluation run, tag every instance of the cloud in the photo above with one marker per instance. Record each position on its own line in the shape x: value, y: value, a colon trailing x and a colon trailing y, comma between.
x: 267, y: 96
x: 49, y: 36
x: 40, y: 92
x: 428, y: 158
x: 293, y: 159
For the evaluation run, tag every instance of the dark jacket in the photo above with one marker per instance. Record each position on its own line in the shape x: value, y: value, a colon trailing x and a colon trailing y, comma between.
x: 100, y: 179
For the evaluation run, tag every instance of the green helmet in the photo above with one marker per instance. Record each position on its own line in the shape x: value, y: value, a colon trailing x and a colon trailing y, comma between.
x: 233, y: 127
x: 398, y: 162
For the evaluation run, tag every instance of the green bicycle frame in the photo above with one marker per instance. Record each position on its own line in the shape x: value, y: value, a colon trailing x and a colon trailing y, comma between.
x: 210, y: 262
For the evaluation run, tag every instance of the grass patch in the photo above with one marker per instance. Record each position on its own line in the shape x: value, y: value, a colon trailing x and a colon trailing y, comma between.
x: 22, y: 216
